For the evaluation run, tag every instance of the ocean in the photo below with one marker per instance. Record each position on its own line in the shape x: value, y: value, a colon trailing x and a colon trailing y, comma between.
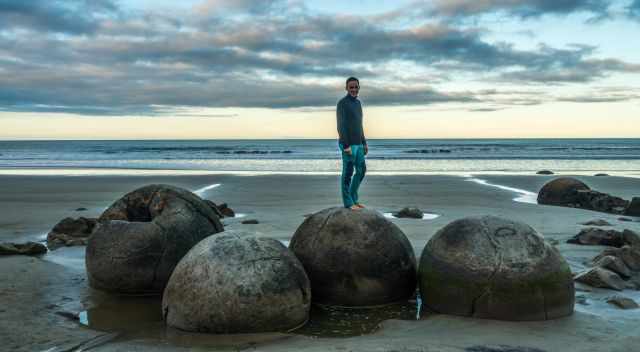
x: 386, y: 156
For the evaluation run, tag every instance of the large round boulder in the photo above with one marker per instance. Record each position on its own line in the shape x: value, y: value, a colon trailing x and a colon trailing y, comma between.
x: 235, y: 283
x: 489, y: 267
x: 143, y: 235
x: 355, y: 258
x: 562, y: 191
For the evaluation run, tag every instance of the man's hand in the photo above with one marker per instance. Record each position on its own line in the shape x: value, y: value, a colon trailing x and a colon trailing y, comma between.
x: 366, y: 149
x: 347, y: 150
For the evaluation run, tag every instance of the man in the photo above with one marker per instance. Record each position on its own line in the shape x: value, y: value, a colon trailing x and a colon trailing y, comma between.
x: 352, y: 144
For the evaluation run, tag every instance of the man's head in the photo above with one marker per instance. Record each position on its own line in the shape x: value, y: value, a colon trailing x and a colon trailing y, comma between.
x: 353, y: 86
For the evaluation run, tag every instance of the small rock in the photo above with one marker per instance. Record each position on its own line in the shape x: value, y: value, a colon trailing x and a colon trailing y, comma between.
x: 81, y: 209
x: 601, y: 174
x: 226, y: 211
x: 599, y: 277
x: 409, y: 212
x: 614, y: 264
x: 598, y: 222
x: 544, y: 172
x: 28, y: 248
x: 625, y: 219
x: 595, y: 236
x: 630, y: 256
x: 250, y: 222
x: 623, y: 302
x: 68, y: 230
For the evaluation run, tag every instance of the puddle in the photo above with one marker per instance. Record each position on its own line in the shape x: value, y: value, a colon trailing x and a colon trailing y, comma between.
x: 328, y: 321
x: 136, y: 317
x: 70, y: 257
x: 425, y: 216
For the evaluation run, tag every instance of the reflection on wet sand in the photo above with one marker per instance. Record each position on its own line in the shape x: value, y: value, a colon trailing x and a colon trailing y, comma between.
x: 140, y: 317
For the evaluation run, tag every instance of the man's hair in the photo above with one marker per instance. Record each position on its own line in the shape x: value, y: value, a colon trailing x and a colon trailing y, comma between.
x: 352, y: 79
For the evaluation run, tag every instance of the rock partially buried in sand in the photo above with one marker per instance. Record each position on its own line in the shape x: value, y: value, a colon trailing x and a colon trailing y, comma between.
x: 600, y: 277
x: 544, y: 172
x: 570, y: 192
x: 614, y: 264
x: 409, y: 212
x: 623, y: 302
x: 234, y: 283
x: 561, y: 191
x: 29, y: 248
x: 70, y: 232
x: 596, y: 236
x: 355, y: 258
x: 489, y: 267
x: 598, y: 222
x: 142, y: 237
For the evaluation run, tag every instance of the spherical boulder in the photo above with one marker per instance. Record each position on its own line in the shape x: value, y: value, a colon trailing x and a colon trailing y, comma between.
x: 561, y: 191
x: 489, y: 267
x: 237, y: 283
x: 143, y: 235
x: 355, y: 258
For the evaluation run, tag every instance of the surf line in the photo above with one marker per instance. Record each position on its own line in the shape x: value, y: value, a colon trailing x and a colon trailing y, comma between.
x: 524, y: 196
x: 201, y: 191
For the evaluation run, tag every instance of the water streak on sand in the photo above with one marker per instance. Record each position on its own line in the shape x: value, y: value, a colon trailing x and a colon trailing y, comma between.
x: 200, y: 191
x: 524, y: 195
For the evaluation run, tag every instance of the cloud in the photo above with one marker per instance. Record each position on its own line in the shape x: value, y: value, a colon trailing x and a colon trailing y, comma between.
x: 518, y: 8
x: 634, y: 9
x: 142, y: 63
x: 63, y: 16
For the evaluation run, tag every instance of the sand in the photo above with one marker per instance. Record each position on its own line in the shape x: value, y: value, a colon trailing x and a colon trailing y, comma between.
x: 34, y: 290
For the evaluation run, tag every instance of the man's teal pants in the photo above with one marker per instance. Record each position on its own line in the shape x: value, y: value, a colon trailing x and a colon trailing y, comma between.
x: 349, y: 182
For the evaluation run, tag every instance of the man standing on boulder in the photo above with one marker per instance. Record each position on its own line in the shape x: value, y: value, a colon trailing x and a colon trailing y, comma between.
x: 352, y: 144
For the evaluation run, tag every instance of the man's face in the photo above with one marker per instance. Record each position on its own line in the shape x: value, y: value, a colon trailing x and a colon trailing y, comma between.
x: 353, y: 87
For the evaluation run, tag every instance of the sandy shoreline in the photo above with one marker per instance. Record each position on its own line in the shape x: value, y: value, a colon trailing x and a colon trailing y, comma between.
x: 34, y: 289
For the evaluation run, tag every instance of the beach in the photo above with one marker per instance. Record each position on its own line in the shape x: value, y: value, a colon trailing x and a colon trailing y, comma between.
x: 37, y: 292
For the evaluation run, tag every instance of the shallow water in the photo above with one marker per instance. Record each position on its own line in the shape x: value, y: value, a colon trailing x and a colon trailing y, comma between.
x: 136, y: 317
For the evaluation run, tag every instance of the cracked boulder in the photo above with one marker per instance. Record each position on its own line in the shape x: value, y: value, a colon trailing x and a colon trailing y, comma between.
x: 490, y: 267
x: 355, y: 258
x: 237, y: 283
x: 143, y: 235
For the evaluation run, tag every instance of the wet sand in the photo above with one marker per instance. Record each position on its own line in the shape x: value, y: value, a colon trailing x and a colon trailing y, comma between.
x: 34, y: 290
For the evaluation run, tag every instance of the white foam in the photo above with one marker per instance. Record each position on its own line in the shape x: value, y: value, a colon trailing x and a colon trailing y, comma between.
x: 524, y: 195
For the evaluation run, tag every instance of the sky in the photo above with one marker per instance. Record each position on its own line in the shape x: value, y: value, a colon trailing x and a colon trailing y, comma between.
x: 225, y: 69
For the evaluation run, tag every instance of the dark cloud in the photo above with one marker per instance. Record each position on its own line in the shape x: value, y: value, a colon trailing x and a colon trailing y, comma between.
x: 142, y: 63
x: 519, y: 8
x: 63, y: 16
x: 634, y: 9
